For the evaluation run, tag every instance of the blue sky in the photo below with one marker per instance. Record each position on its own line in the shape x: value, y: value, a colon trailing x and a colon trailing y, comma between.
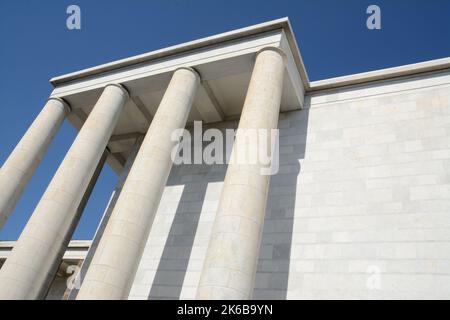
x: 35, y: 45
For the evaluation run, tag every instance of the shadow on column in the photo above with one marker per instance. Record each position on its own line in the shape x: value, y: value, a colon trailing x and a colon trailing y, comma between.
x: 274, y: 256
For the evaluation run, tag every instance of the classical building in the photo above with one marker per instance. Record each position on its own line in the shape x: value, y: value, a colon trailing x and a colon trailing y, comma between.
x: 359, y: 208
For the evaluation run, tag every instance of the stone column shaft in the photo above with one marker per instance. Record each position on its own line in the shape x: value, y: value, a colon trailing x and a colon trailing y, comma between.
x: 26, y: 156
x: 72, y: 293
x: 117, y: 257
x: 30, y: 268
x: 231, y: 258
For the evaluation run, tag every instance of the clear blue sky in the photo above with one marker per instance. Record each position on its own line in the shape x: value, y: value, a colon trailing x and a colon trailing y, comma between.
x: 35, y: 45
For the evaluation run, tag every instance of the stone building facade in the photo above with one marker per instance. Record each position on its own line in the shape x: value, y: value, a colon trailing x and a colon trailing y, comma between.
x: 359, y: 208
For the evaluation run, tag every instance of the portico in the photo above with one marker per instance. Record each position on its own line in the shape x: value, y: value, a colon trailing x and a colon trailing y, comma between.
x: 251, y: 74
x: 357, y: 210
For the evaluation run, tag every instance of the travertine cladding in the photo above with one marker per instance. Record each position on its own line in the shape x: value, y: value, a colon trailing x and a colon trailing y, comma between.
x: 359, y: 209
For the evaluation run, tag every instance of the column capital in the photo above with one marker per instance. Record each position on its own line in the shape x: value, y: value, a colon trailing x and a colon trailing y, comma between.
x: 121, y: 87
x: 197, y: 74
x: 66, y: 105
x: 275, y: 49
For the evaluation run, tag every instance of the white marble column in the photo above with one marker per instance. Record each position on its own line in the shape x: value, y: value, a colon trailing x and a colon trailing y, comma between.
x: 30, y: 268
x: 26, y: 156
x: 116, y: 259
x: 231, y: 258
x: 72, y: 294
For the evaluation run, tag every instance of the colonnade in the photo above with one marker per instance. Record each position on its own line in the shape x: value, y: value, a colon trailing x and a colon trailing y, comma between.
x: 230, y: 264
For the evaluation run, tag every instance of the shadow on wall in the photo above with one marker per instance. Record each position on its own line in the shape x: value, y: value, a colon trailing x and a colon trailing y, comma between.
x: 273, y: 265
x: 170, y: 276
x: 274, y: 256
x: 171, y: 272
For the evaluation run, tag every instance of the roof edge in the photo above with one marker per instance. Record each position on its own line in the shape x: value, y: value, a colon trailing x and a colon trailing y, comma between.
x: 281, y: 23
x: 381, y: 74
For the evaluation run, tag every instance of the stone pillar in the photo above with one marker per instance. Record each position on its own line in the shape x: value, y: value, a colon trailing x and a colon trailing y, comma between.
x: 117, y: 257
x: 72, y: 293
x: 23, y: 161
x: 34, y: 260
x: 231, y: 258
